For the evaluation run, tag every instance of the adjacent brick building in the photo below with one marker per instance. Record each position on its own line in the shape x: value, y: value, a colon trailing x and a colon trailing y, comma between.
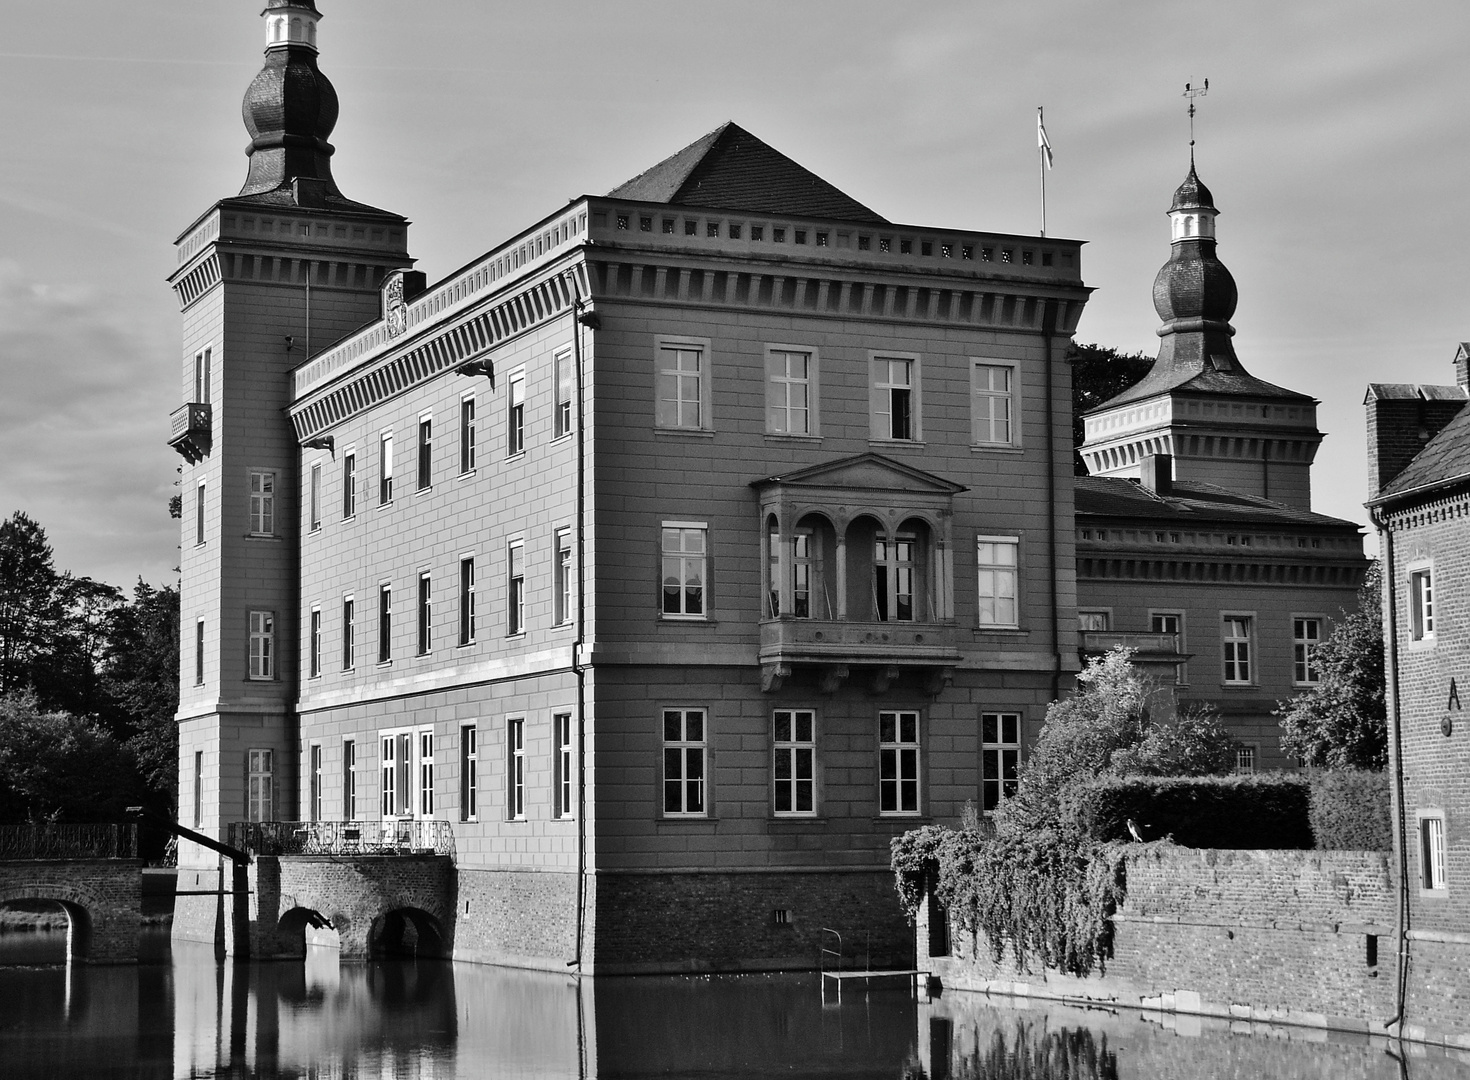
x: 680, y: 551
x: 1196, y: 542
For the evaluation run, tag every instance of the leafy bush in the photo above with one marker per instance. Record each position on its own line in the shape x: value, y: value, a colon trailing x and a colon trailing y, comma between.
x: 914, y: 857
x: 1269, y: 810
x: 1350, y: 810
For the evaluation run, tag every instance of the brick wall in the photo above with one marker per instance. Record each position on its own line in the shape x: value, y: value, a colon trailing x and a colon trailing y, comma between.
x: 102, y: 898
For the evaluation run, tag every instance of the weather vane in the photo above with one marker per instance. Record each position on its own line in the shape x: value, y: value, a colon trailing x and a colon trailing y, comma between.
x: 1191, y: 92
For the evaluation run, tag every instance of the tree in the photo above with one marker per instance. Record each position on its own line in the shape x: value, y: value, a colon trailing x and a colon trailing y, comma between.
x: 141, y: 675
x: 1105, y: 729
x: 59, y: 767
x: 1098, y: 374
x: 1342, y: 722
x: 31, y: 601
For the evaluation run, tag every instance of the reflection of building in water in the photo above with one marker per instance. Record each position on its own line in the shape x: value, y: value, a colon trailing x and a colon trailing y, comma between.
x: 680, y: 551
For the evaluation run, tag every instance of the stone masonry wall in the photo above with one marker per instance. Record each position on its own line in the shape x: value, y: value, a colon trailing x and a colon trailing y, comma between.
x: 102, y: 897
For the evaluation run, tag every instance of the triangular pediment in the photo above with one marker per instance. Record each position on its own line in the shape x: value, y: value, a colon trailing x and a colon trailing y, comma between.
x: 863, y: 472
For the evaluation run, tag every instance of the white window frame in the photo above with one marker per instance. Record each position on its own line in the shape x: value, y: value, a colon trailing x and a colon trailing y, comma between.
x: 349, y: 779
x: 1431, y: 832
x: 995, y: 414
x: 794, y: 762
x: 515, y: 768
x: 1100, y: 618
x: 673, y: 402
x: 515, y: 587
x: 467, y: 599
x: 1422, y: 613
x: 781, y: 384
x: 684, y: 558
x: 515, y: 413
x: 263, y: 487
x: 314, y: 643
x: 562, y: 574
x: 314, y: 487
x: 1247, y: 756
x: 900, y: 765
x: 881, y: 397
x: 424, y: 767
x: 564, y: 389
x: 260, y: 784
x: 1231, y: 656
x: 469, y: 772
x: 1181, y: 670
x: 424, y: 614
x: 349, y: 632
x: 262, y: 666
x: 563, y: 764
x: 385, y: 468
x: 424, y: 453
x: 385, y: 622
x: 200, y: 508
x: 1000, y: 757
x: 203, y: 374
x: 349, y: 483
x: 1304, y: 646
x: 198, y: 652
x: 991, y: 580
x: 684, y: 795
x: 467, y: 434
x: 398, y: 773
x: 314, y: 808
x: 894, y: 570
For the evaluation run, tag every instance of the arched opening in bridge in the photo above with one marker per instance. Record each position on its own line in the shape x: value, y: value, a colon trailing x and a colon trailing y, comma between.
x: 40, y: 930
x: 407, y: 932
x: 303, y: 927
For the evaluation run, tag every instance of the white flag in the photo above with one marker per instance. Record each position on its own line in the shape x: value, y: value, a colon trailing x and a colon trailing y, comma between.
x: 1042, y: 141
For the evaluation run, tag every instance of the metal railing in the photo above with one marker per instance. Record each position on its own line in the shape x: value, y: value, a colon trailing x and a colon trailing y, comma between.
x: 49, y: 841
x: 391, y: 837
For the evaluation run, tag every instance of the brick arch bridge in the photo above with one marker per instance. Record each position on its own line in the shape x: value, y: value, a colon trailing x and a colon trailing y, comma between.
x: 101, y: 897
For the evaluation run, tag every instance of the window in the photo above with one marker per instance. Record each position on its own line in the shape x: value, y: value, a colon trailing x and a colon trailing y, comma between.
x: 1092, y: 620
x: 515, y: 769
x: 349, y: 625
x: 314, y: 770
x: 426, y: 773
x: 794, y: 766
x: 397, y: 774
x: 806, y: 572
x: 202, y: 376
x: 893, y: 578
x: 562, y: 594
x: 1170, y: 622
x: 1245, y: 760
x: 565, y: 388
x: 198, y: 789
x: 565, y: 793
x: 466, y: 601
x: 680, y: 387
x: 469, y: 773
x: 1306, y: 635
x: 893, y: 398
x: 385, y: 469
x: 995, y: 559
x: 1421, y: 605
x: 314, y: 647
x: 1432, y: 852
x: 1000, y: 757
x: 992, y: 405
x: 349, y: 780
x: 426, y: 453
x: 199, y: 652
x: 898, y: 763
x: 515, y: 423
x: 425, y: 621
x: 385, y: 623
x: 467, y: 434
x: 199, y: 515
x: 262, y: 645
x: 790, y: 381
x: 684, y: 565
x: 262, y: 503
x: 515, y: 590
x: 684, y: 748
x: 260, y: 780
x: 1236, y: 641
x: 349, y: 484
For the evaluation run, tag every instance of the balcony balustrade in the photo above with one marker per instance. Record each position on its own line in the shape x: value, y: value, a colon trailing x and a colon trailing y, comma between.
x: 192, y: 430
x: 403, y: 836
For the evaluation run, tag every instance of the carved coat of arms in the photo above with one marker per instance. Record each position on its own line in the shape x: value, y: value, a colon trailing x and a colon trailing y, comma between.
x: 395, y: 310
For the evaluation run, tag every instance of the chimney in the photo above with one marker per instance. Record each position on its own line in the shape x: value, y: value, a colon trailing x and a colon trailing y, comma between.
x: 1462, y: 366
x: 1156, y: 472
x: 1402, y: 418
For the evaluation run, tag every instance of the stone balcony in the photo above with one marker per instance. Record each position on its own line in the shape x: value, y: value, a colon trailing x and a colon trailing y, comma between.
x: 193, y: 425
x: 835, y: 647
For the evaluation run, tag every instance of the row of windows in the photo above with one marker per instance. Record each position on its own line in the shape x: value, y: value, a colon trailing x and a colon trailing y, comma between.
x: 1237, y: 643
x: 406, y: 763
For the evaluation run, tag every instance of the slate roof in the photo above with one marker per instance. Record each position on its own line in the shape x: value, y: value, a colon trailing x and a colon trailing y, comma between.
x: 1190, y: 502
x: 1444, y: 458
x: 730, y: 169
x: 1191, y: 378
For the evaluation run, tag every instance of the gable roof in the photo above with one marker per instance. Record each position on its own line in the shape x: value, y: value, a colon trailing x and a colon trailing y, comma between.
x: 1190, y: 501
x: 730, y: 169
x: 868, y: 472
x: 1445, y: 458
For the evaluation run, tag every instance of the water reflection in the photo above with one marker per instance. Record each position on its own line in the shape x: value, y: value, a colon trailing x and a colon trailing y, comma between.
x: 193, y: 1017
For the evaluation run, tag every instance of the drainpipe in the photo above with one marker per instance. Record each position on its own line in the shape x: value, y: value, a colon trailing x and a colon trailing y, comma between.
x: 1385, y: 537
x: 1048, y: 333
x: 577, y: 322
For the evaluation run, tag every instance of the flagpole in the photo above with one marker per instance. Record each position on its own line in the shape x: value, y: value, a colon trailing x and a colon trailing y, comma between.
x: 1041, y: 165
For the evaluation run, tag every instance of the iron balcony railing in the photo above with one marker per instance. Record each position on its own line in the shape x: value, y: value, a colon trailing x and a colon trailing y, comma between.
x: 50, y: 841
x: 391, y: 837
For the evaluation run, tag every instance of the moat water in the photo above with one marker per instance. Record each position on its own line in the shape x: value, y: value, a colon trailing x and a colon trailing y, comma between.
x: 183, y: 1014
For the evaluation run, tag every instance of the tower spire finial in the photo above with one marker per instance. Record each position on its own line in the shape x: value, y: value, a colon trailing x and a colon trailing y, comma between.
x: 1191, y: 92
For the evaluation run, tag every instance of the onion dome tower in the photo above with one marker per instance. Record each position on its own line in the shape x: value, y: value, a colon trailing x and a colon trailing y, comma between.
x: 1199, y: 406
x: 265, y: 277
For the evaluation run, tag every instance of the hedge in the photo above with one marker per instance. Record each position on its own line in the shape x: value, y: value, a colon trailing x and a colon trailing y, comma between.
x: 1268, y: 810
x: 1350, y: 810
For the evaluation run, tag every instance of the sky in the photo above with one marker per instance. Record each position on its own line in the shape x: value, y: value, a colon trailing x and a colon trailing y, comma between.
x: 1333, y: 136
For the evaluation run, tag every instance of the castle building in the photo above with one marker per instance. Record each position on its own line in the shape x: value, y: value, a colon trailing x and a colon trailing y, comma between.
x: 672, y: 556
x: 1419, y: 486
x: 1196, y: 542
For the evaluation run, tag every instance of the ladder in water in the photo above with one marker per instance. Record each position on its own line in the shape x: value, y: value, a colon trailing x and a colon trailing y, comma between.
x: 838, y: 974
